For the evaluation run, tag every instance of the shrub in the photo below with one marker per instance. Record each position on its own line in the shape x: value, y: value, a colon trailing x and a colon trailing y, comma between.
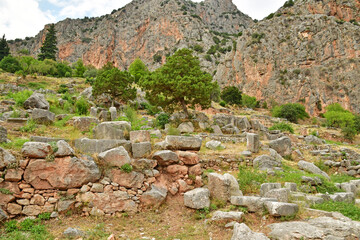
x: 162, y: 120
x: 291, y: 111
x: 10, y: 64
x: 284, y: 127
x: 157, y: 58
x: 222, y: 103
x: 231, y: 95
x: 81, y: 106
x: 349, y: 210
x: 20, y: 97
x: 250, y: 179
x: 173, y: 131
x: 288, y: 3
x: 249, y: 102
x: 29, y: 127
x: 198, y: 48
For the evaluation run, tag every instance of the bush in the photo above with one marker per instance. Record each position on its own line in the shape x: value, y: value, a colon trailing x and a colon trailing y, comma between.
x: 20, y: 97
x: 249, y: 102
x: 81, y: 106
x: 284, y: 127
x: 157, y: 58
x: 198, y: 48
x: 10, y: 64
x: 126, y: 168
x: 162, y: 120
x: 231, y: 95
x: 291, y: 111
x: 222, y: 103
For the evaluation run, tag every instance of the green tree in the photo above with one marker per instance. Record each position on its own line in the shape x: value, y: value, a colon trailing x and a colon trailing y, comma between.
x: 4, y: 48
x: 49, y: 49
x: 138, y: 69
x: 291, y: 111
x: 178, y: 83
x: 79, y: 68
x: 231, y: 95
x: 116, y: 83
x: 10, y: 64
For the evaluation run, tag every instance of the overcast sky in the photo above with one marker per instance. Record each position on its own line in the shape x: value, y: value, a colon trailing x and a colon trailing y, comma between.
x: 22, y: 18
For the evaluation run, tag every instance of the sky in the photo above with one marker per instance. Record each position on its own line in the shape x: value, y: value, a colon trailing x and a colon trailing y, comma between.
x: 25, y: 18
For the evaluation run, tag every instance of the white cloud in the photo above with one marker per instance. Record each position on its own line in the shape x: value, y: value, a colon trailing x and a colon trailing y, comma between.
x: 21, y: 18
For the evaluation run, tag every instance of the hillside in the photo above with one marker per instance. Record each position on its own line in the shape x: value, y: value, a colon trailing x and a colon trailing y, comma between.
x: 303, y: 54
x: 143, y: 29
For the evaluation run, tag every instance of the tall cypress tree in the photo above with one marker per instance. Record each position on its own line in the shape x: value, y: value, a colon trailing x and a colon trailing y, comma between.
x: 49, y: 49
x: 4, y: 48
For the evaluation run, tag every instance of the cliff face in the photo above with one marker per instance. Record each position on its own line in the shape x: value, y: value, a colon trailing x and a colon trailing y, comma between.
x: 143, y: 28
x: 313, y: 59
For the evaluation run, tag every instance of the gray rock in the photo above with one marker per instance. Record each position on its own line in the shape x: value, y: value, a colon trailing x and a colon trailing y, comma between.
x: 281, y: 194
x: 85, y: 123
x: 222, y: 187
x: 97, y: 187
x: 349, y: 187
x: 246, y: 153
x: 230, y: 129
x: 112, y: 130
x: 113, y: 113
x: 226, y: 216
x: 155, y: 197
x: 243, y: 232
x: 223, y: 119
x: 3, y: 215
x: 6, y: 158
x: 115, y: 157
x: 64, y: 149
x: 310, y: 167
x: 73, y: 233
x: 42, y: 116
x: 265, y: 162
x: 214, y: 145
x: 314, y: 200
x: 183, y: 143
x: 198, y: 198
x: 3, y: 134
x: 252, y: 203
x: 281, y: 145
x: 186, y: 127
x: 140, y: 150
x: 156, y: 134
x: 142, y: 164
x: 36, y: 100
x: 93, y: 112
x: 311, y: 139
x: 35, y: 149
x: 166, y: 157
x: 140, y: 136
x: 279, y: 209
x: 217, y: 130
x: 295, y: 230
x: 291, y: 186
x: 91, y: 146
x: 65, y: 205
x: 253, y: 142
x: 242, y: 123
x: 343, y: 197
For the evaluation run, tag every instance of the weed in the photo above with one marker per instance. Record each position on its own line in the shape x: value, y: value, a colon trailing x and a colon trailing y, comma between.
x: 5, y: 191
x: 320, y: 164
x: 349, y: 209
x: 98, y: 232
x: 16, y: 144
x: 126, y: 168
x: 20, y: 97
x: 173, y: 131
x: 44, y: 216
x: 250, y: 179
x: 282, y: 126
x: 29, y: 127
x: 340, y: 178
x: 287, y: 218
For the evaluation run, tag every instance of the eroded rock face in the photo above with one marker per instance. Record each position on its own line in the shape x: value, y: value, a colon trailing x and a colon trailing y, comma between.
x: 62, y: 173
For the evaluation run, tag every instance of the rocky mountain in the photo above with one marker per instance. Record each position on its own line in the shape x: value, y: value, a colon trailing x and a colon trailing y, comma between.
x: 144, y: 28
x: 305, y: 53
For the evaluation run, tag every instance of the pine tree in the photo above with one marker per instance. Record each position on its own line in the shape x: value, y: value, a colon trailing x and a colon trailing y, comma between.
x: 49, y: 49
x: 4, y: 48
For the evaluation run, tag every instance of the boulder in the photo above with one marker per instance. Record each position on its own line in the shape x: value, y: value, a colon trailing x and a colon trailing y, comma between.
x: 216, y: 129
x: 128, y: 180
x: 198, y: 198
x: 65, y: 205
x: 281, y: 145
x: 3, y: 215
x: 141, y: 149
x: 31, y: 210
x: 142, y: 164
x: 223, y: 119
x: 91, y: 146
x: 186, y: 127
x: 222, y: 187
x: 112, y: 130
x: 62, y: 173
x: 140, y: 136
x: 63, y: 149
x: 243, y: 232
x: 115, y: 157
x: 226, y: 216
x: 36, y: 100
x: 279, y: 209
x: 156, y: 134
x: 265, y: 162
x: 155, y: 197
x: 230, y: 129
x: 165, y: 157
x: 265, y: 187
x: 36, y: 149
x: 73, y: 233
x: 3, y: 135
x: 6, y: 158
x: 295, y: 230
x: 13, y: 209
x: 214, y: 145
x: 188, y: 158
x: 14, y: 174
x: 281, y: 194
x: 311, y: 139
x: 310, y: 167
x: 113, y: 113
x: 253, y: 142
x: 242, y: 123
x: 291, y: 186
x: 85, y: 123
x: 42, y: 116
x: 252, y: 203
x: 183, y: 143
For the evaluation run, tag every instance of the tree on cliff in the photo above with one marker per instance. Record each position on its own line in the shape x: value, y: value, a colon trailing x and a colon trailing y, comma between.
x: 49, y: 49
x: 4, y: 48
x: 116, y: 83
x: 178, y: 83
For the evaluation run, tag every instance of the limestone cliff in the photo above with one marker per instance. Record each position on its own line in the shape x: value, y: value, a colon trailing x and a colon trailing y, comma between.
x: 313, y: 58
